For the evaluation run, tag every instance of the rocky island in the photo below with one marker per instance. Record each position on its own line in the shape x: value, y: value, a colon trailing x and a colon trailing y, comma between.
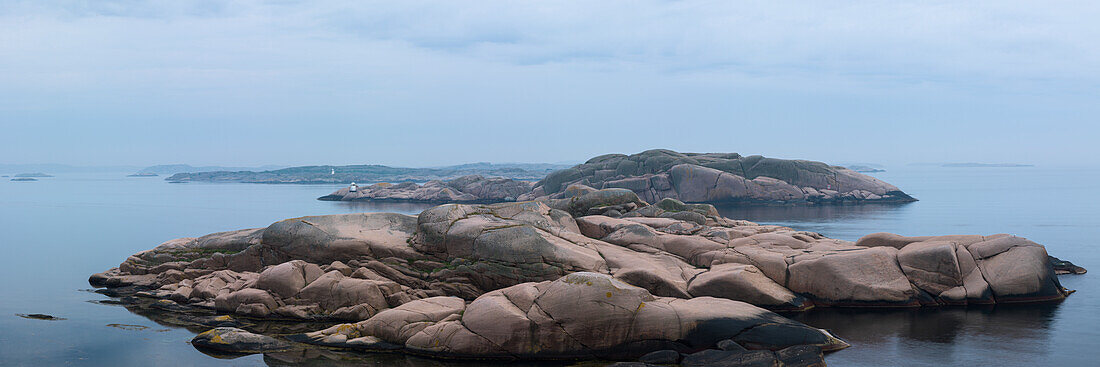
x: 33, y: 175
x: 465, y: 189
x: 556, y: 279
x: 717, y: 178
x: 370, y: 173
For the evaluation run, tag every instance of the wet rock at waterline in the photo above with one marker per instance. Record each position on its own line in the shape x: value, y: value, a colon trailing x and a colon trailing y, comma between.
x: 549, y: 280
x: 1065, y: 267
x: 39, y: 316
x: 234, y: 340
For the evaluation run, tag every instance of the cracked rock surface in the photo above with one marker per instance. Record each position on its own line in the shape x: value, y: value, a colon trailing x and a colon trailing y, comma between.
x: 558, y: 279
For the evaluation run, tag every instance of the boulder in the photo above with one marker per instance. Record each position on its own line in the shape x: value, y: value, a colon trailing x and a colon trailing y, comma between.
x: 748, y: 284
x: 398, y: 324
x: 1017, y: 270
x: 348, y: 298
x: 500, y: 245
x: 286, y: 279
x: 234, y: 340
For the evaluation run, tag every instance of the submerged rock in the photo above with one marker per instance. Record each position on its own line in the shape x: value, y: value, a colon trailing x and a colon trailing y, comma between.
x: 546, y: 280
x: 796, y: 356
x: 39, y: 316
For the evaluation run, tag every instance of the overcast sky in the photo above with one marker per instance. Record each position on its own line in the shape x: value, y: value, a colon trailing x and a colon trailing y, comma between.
x: 420, y: 83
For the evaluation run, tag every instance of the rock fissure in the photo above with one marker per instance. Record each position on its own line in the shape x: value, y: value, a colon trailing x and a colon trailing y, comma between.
x: 569, y: 277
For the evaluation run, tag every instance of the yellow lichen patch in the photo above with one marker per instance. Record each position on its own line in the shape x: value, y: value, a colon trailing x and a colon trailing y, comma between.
x: 608, y: 294
x: 224, y: 318
x: 347, y: 329
x: 214, y: 336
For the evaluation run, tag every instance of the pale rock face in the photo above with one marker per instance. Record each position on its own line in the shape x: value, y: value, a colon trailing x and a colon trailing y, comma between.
x: 974, y: 269
x: 745, y: 283
x: 852, y: 277
x: 932, y: 266
x: 526, y: 280
x: 522, y: 241
x: 323, y: 239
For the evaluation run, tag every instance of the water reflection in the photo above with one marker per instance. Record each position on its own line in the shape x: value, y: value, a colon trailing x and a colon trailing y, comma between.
x: 809, y: 213
x: 937, y: 335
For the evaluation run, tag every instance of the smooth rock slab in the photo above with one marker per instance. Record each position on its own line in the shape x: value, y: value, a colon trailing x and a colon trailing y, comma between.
x: 746, y: 283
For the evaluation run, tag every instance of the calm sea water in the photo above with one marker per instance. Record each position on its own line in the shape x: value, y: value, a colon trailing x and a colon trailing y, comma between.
x: 57, y: 231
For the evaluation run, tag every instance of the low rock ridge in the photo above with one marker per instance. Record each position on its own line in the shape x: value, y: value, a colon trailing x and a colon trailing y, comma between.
x: 659, y: 174
x: 561, y: 279
x: 465, y: 189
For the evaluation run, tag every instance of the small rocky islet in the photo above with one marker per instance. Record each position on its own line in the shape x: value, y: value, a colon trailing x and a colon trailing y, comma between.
x: 717, y: 178
x: 556, y: 278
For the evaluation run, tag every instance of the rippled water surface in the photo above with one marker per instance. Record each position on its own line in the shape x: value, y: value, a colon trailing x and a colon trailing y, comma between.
x: 57, y: 231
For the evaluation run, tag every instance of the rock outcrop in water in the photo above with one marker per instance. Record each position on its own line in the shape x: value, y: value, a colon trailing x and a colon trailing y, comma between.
x: 659, y: 174
x: 720, y: 178
x: 465, y: 189
x: 557, y: 279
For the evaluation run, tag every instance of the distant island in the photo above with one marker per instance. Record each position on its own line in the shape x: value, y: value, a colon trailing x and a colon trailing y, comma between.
x: 35, y: 174
x: 371, y: 173
x: 864, y: 168
x: 55, y: 168
x: 142, y: 174
x: 24, y: 179
x: 971, y: 165
x: 171, y: 169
